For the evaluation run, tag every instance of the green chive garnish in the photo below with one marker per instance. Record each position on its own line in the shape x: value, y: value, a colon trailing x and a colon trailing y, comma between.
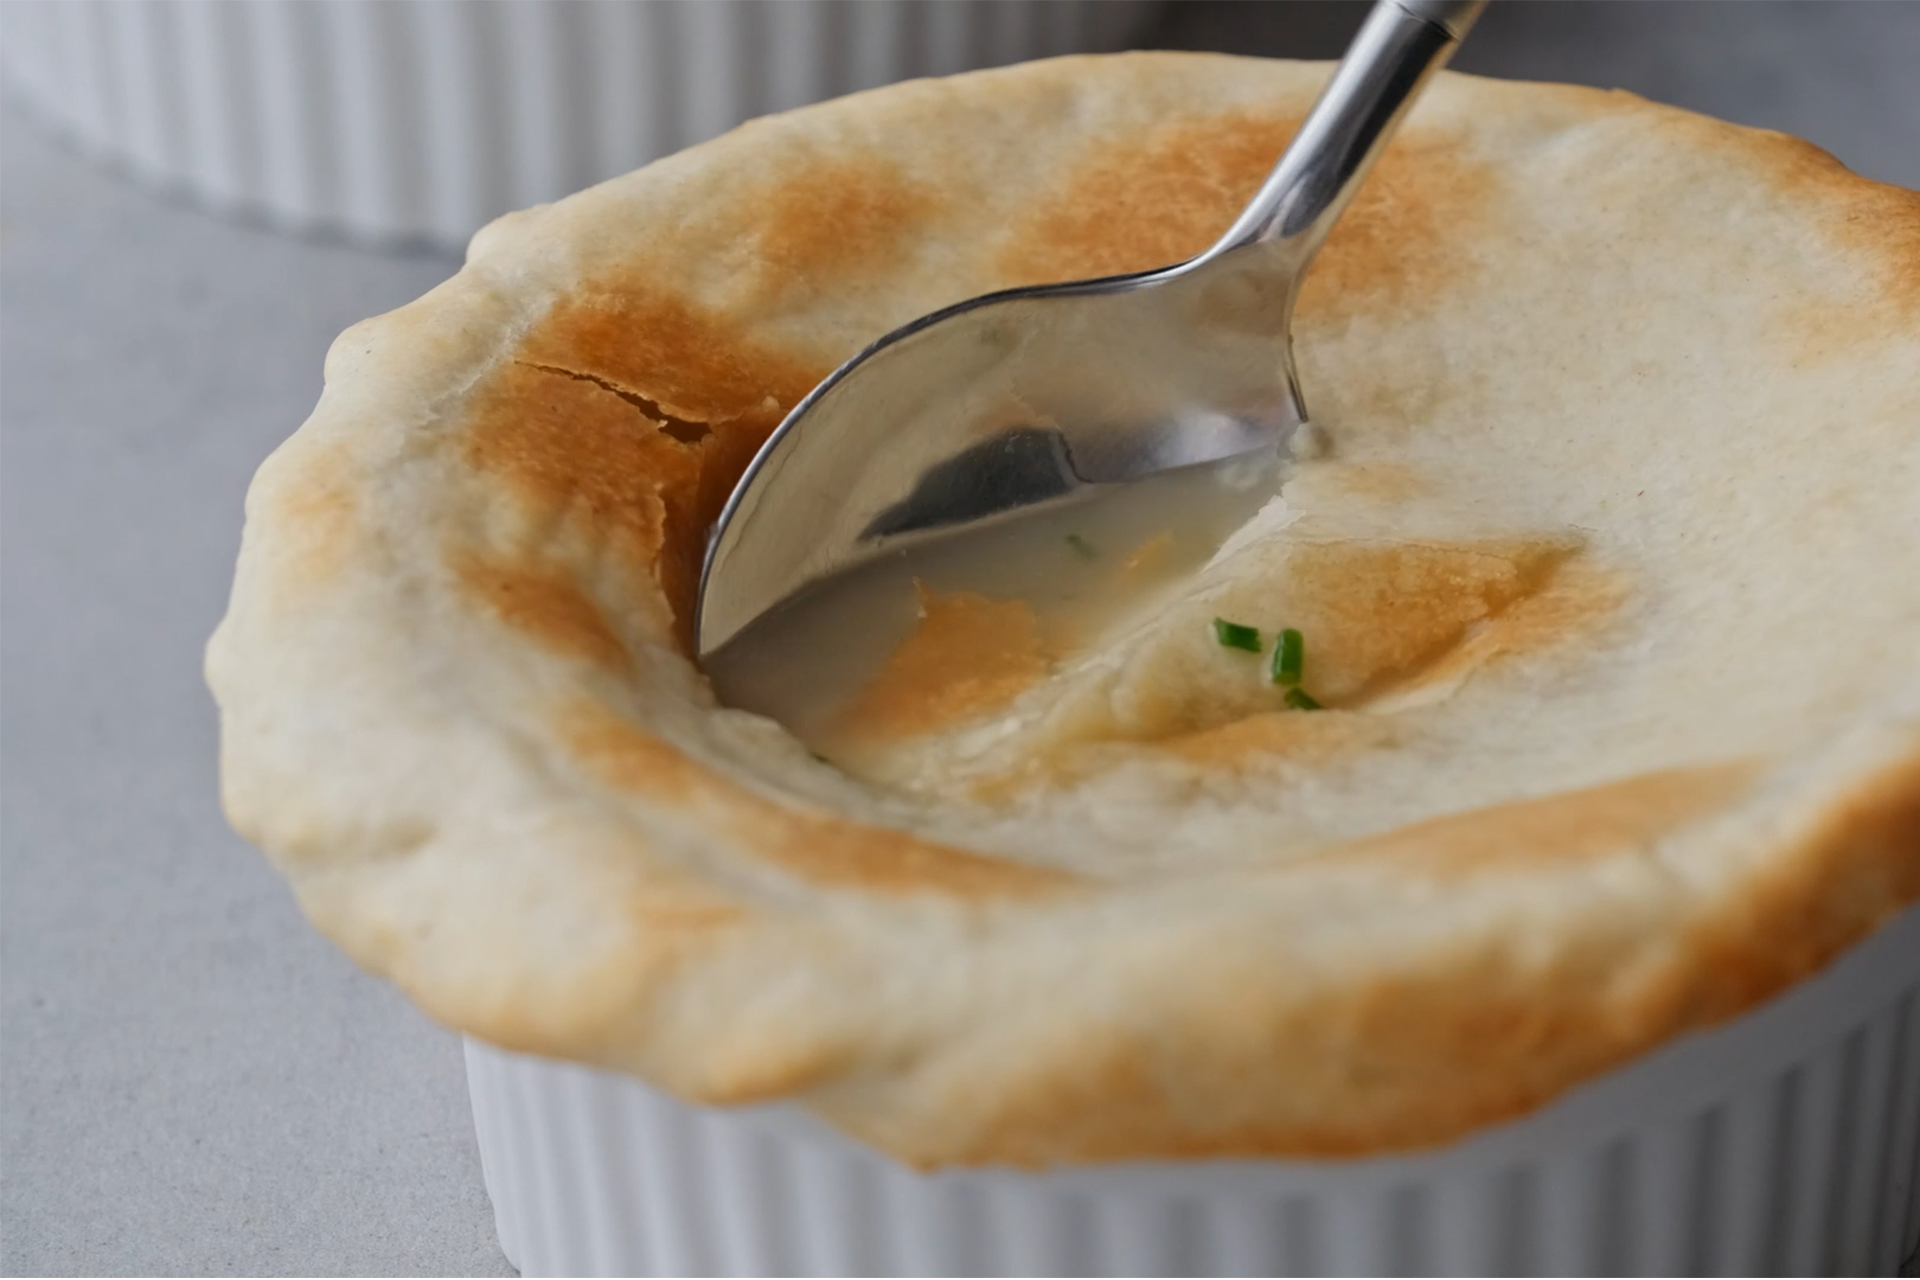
x: 1300, y: 700
x: 1082, y: 547
x: 1289, y: 657
x: 1233, y: 635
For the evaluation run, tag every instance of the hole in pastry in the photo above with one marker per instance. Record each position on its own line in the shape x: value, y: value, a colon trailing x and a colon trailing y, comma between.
x: 1101, y: 625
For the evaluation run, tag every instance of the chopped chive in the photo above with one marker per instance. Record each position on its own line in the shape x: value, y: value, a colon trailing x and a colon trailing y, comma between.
x: 1289, y: 657
x: 1082, y: 547
x: 1234, y: 635
x: 1300, y: 700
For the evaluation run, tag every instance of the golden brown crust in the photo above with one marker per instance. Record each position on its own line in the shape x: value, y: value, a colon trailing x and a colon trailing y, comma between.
x: 1627, y: 396
x: 1417, y: 1056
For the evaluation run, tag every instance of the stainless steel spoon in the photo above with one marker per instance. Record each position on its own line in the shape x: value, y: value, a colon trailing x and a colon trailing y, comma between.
x: 1046, y: 395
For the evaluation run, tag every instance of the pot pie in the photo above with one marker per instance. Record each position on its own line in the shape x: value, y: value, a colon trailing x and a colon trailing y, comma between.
x: 1608, y: 573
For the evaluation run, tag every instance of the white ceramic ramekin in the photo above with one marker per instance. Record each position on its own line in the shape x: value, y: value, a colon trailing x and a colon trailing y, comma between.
x: 425, y: 119
x: 1783, y: 1143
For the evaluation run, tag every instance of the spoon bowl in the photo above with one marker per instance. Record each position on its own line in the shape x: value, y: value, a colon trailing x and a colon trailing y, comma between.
x: 1033, y: 397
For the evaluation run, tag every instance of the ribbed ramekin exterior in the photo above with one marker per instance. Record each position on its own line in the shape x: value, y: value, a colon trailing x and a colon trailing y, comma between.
x: 1785, y: 1143
x: 424, y: 119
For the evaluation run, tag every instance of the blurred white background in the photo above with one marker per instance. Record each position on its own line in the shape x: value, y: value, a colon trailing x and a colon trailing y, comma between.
x: 399, y: 121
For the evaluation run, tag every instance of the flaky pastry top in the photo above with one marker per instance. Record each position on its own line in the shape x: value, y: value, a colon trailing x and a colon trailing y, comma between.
x: 1615, y: 542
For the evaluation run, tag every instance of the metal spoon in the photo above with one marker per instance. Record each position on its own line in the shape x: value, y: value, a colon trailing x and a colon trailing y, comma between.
x: 994, y: 406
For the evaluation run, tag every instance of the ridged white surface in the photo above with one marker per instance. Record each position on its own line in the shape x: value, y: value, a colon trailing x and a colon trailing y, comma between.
x: 1785, y: 1143
x: 424, y: 119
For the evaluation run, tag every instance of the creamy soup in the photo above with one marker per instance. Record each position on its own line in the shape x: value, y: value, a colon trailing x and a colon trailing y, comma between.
x: 925, y: 638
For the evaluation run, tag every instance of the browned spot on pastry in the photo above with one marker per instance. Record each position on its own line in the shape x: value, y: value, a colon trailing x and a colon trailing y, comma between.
x: 679, y: 428
x: 590, y: 471
x: 548, y: 606
x: 1148, y: 202
x: 830, y: 221
x: 1573, y: 599
x: 1565, y: 600
x: 578, y: 455
x: 1573, y: 826
x: 1166, y: 197
x: 967, y: 655
x: 1376, y: 612
x: 724, y: 456
x: 1387, y: 625
x: 703, y: 385
x: 696, y: 365
x: 818, y: 846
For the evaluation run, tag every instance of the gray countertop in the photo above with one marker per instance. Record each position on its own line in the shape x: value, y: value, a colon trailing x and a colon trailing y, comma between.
x: 190, y: 1079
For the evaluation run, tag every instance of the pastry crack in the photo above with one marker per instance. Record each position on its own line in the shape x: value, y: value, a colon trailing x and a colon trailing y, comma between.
x: 685, y: 430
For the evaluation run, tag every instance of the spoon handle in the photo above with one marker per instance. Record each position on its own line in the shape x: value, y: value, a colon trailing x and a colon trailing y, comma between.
x: 1400, y: 45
